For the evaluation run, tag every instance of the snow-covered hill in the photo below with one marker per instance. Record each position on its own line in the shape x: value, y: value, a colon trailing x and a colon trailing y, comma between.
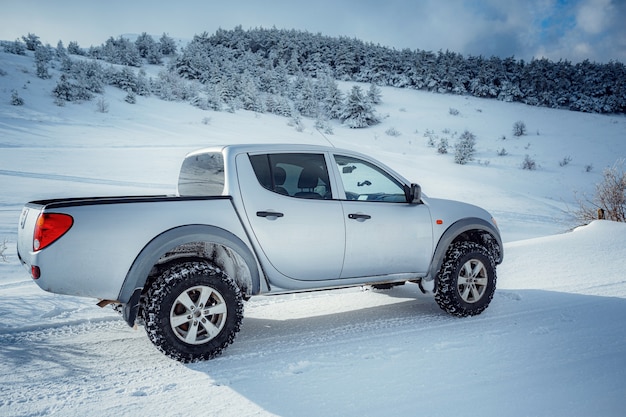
x: 552, y: 343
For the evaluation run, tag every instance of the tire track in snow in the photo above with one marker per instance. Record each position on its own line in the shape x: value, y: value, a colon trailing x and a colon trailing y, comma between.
x: 71, y: 178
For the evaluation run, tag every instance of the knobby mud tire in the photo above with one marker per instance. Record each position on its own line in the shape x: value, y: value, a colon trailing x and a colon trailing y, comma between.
x: 177, y: 322
x: 466, y: 281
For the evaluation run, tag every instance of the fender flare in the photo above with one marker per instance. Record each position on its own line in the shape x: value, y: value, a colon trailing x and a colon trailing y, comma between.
x: 452, y: 232
x: 142, y: 265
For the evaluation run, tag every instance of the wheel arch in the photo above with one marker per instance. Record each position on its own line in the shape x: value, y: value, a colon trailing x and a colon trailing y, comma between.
x: 220, y: 246
x: 470, y: 229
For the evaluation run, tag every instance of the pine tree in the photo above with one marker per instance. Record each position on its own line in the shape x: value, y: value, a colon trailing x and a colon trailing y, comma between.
x: 32, y: 41
x: 148, y: 48
x: 74, y: 49
x: 303, y: 96
x: 89, y: 74
x: 42, y: 59
x: 358, y: 111
x: 374, y: 94
x: 61, y: 51
x: 63, y: 89
x: 167, y: 45
x: 331, y: 99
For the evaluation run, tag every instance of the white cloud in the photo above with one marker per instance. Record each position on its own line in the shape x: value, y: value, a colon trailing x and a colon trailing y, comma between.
x: 594, y: 16
x: 572, y: 29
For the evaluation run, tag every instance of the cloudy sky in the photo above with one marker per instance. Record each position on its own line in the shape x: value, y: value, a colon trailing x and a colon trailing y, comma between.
x: 555, y: 29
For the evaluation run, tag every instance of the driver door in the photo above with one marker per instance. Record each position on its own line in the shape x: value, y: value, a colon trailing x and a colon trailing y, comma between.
x: 384, y: 233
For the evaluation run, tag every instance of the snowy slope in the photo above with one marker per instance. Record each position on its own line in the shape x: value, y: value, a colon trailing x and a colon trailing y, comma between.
x: 552, y: 343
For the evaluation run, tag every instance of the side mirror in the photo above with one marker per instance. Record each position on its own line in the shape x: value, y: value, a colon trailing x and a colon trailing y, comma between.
x: 413, y: 194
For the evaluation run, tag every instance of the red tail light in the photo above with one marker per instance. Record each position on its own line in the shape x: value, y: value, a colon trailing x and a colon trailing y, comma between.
x: 50, y: 227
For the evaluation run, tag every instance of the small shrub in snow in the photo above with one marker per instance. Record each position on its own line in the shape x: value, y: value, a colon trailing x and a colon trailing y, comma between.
x: 431, y: 138
x: 464, y: 149
x: 529, y: 163
x: 502, y: 152
x: 442, y: 147
x: 519, y: 128
x: 565, y: 161
x: 324, y: 126
x: 130, y: 98
x: 296, y: 122
x: 588, y: 167
x: 392, y: 131
x: 16, y: 100
x: 453, y: 111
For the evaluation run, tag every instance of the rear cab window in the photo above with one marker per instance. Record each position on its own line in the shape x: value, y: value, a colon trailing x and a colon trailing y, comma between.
x: 202, y: 175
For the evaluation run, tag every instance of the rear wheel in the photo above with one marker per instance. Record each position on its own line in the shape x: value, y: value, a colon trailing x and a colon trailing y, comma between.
x: 192, y: 311
x: 467, y: 280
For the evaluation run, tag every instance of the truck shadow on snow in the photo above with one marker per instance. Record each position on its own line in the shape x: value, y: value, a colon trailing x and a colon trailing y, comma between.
x: 360, y: 360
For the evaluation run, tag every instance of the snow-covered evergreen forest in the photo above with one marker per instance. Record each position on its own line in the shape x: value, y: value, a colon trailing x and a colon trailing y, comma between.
x: 294, y: 73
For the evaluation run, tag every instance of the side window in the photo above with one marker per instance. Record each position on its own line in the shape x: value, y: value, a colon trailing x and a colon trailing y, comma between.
x: 364, y: 181
x: 298, y: 175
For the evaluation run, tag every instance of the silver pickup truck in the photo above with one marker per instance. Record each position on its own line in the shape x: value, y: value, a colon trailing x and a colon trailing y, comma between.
x: 257, y: 219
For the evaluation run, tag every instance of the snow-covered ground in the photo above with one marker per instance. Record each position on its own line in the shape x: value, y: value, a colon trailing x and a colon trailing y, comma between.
x: 552, y: 343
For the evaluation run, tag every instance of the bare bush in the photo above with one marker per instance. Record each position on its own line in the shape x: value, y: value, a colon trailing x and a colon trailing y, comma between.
x: 519, y: 128
x: 102, y: 106
x: 609, y: 200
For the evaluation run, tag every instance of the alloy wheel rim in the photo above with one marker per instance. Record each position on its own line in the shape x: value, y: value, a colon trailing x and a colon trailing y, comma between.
x: 198, y: 315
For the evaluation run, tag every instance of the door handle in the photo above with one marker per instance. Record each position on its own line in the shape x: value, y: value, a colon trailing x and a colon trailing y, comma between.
x: 269, y: 214
x: 358, y: 216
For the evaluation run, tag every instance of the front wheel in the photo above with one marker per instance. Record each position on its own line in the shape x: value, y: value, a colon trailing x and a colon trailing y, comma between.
x: 467, y: 280
x: 192, y: 311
